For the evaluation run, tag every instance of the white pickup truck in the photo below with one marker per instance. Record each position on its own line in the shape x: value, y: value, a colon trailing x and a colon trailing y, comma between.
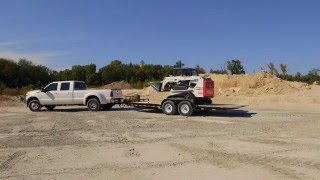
x: 72, y: 93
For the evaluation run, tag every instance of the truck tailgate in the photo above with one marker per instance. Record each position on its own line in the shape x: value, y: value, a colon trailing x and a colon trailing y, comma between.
x: 117, y: 93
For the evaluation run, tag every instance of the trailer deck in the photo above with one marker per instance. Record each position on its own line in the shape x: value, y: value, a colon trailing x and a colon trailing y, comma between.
x: 148, y: 105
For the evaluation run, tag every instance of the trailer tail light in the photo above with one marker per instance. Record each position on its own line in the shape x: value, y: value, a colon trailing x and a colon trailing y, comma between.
x: 208, y: 88
x: 111, y: 93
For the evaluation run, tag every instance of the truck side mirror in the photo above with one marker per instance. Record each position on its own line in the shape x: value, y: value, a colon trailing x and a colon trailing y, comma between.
x: 44, y: 90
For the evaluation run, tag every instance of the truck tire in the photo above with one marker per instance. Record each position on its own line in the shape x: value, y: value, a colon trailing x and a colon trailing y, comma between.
x: 50, y: 107
x: 34, y: 105
x: 107, y: 106
x: 93, y: 104
x: 185, y: 108
x: 169, y: 108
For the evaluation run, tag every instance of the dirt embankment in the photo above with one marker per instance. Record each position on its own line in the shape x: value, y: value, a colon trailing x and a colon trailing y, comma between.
x: 257, y: 84
x: 118, y: 85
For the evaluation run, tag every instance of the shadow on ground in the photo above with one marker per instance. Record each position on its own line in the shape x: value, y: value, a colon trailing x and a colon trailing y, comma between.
x: 217, y: 113
x: 80, y: 109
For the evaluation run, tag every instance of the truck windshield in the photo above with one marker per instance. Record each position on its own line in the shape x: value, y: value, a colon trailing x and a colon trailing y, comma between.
x: 80, y: 86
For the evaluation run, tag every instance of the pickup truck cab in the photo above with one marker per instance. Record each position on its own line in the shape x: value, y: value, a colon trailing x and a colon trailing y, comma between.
x: 72, y: 93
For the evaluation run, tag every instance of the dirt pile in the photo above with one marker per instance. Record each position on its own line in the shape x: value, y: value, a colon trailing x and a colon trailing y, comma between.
x: 118, y: 85
x: 257, y: 84
x: 153, y: 95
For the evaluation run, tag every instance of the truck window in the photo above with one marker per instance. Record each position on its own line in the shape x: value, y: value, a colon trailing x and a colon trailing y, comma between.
x: 52, y: 87
x: 80, y: 86
x: 65, y: 86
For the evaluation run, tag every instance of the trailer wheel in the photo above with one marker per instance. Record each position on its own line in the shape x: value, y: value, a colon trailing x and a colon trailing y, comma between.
x: 169, y: 108
x: 185, y: 108
x: 93, y: 104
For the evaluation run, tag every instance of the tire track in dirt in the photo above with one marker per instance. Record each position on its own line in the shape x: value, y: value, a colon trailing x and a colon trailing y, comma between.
x: 10, y: 161
x: 109, y: 166
x: 282, y: 165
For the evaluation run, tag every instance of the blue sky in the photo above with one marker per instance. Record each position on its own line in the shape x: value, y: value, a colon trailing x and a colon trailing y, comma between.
x: 63, y: 33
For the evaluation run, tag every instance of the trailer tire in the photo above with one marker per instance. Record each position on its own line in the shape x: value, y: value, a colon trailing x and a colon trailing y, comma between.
x: 169, y: 108
x: 185, y: 108
x: 93, y: 104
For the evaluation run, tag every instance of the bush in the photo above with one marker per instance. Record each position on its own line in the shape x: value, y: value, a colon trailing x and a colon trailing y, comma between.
x: 10, y: 92
x: 25, y: 89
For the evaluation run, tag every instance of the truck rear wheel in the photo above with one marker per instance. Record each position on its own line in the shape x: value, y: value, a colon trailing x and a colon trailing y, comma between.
x: 169, y: 108
x: 93, y: 104
x: 185, y: 108
x: 34, y: 105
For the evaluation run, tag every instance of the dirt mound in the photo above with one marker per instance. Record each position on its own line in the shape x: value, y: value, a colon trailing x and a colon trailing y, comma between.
x: 257, y: 84
x: 153, y: 95
x: 118, y: 85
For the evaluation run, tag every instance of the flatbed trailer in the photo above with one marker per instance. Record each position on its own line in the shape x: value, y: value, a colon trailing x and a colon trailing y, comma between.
x: 148, y: 105
x: 185, y: 107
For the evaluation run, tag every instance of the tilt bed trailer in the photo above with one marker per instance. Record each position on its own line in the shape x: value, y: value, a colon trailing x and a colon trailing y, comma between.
x: 188, y: 92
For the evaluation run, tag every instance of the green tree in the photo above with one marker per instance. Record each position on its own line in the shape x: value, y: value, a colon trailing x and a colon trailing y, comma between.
x: 9, y: 73
x: 200, y: 69
x: 235, y: 67
x: 65, y: 75
x: 112, y: 72
x: 222, y: 70
x: 284, y: 70
x: 78, y: 73
x: 179, y: 64
x: 272, y: 69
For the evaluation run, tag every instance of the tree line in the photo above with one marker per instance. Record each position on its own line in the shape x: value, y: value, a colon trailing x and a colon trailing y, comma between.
x: 25, y: 73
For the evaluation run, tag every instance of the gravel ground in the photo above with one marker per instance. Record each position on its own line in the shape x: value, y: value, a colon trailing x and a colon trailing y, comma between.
x: 124, y: 143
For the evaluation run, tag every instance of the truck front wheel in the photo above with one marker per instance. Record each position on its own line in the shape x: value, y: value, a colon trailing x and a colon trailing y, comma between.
x: 93, y: 104
x: 169, y: 108
x: 34, y: 105
x: 185, y: 108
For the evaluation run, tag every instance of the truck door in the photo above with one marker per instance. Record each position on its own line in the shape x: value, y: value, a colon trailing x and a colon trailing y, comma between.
x: 49, y: 97
x: 65, y: 94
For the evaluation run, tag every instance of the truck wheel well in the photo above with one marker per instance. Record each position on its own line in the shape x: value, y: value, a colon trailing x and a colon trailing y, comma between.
x: 92, y: 97
x: 31, y: 99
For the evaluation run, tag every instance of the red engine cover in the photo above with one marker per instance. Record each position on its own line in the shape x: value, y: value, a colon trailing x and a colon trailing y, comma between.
x: 208, y: 88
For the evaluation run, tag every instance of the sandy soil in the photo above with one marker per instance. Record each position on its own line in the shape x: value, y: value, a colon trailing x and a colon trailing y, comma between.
x: 72, y: 143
